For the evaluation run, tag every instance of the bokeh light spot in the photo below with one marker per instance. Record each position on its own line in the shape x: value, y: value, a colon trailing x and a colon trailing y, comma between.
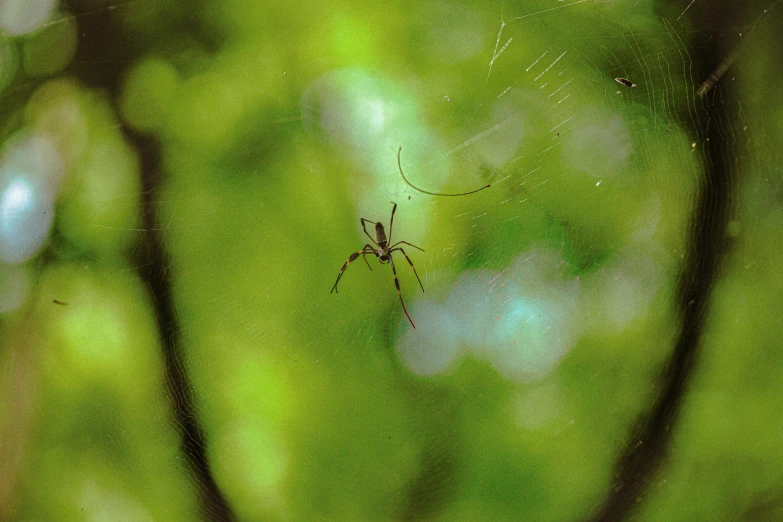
x: 26, y: 216
x: 19, y: 17
x: 520, y: 320
x: 148, y: 93
x: 358, y: 111
x: 55, y: 111
x: 599, y: 143
x: 30, y: 170
x: 250, y: 462
x: 623, y: 290
x: 433, y: 346
x: 9, y: 61
x: 50, y: 50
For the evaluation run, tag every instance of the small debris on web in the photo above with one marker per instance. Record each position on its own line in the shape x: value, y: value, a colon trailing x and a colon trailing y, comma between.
x: 625, y: 81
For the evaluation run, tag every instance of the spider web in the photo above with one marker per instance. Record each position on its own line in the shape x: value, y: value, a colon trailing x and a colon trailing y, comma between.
x: 607, y: 294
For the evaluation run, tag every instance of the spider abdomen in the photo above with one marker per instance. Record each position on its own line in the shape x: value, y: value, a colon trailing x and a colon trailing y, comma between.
x: 380, y: 235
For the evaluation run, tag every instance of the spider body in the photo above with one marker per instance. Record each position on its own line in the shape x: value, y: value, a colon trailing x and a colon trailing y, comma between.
x: 381, y: 248
x: 382, y: 252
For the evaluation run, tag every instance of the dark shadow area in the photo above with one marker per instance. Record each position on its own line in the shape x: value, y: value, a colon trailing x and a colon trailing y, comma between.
x: 716, y: 116
x: 104, y: 53
x: 153, y: 262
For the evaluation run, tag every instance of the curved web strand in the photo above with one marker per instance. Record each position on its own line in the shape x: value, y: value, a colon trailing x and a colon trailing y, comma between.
x: 399, y: 165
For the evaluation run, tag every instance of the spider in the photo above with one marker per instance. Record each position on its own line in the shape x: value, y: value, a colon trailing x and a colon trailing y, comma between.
x: 383, y: 252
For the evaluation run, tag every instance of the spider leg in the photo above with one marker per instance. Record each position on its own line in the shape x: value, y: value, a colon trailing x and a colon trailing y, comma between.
x: 364, y: 227
x: 363, y: 252
x: 406, y: 243
x: 397, y: 284
x: 409, y: 262
x: 391, y: 222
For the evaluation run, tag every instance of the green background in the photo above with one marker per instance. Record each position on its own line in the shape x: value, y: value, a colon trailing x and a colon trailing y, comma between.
x: 219, y: 157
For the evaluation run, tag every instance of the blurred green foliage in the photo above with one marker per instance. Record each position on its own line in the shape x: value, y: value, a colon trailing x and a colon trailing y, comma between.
x: 274, y: 127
